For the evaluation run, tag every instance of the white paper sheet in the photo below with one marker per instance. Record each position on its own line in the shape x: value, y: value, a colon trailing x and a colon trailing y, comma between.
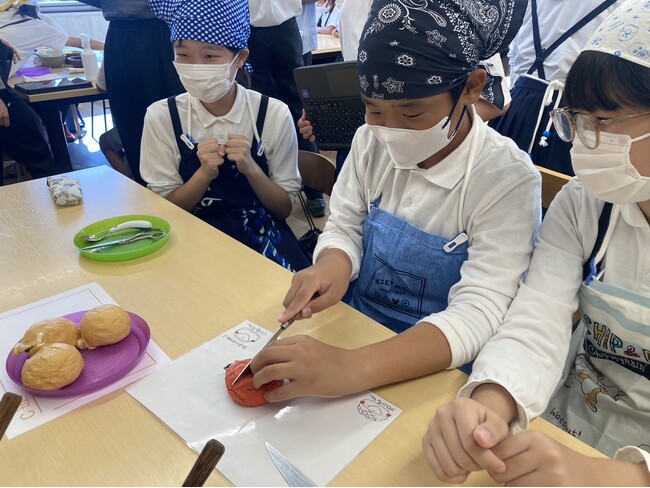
x: 36, y: 410
x: 320, y: 436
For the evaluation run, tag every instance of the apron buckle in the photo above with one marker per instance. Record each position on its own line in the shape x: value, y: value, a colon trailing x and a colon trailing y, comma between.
x: 187, y: 141
x: 455, y: 242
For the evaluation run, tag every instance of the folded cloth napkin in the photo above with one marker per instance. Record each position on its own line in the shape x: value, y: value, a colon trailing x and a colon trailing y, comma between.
x: 65, y: 191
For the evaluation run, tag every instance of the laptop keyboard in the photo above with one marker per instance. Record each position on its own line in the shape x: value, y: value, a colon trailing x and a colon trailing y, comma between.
x: 335, y: 121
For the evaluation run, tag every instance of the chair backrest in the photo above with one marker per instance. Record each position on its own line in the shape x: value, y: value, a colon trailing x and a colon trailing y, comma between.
x: 552, y: 183
x: 316, y: 171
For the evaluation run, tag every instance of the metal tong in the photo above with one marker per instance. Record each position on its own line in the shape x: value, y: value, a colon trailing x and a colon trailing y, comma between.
x: 147, y: 234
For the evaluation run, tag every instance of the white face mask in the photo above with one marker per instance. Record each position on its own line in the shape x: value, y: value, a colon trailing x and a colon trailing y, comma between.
x: 207, y: 82
x: 607, y: 173
x: 408, y: 148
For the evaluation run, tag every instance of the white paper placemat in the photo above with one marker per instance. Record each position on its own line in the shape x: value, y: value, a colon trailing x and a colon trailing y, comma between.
x: 320, y: 436
x: 36, y: 410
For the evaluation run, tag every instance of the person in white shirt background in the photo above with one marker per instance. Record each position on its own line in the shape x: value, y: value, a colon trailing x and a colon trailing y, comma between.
x: 275, y: 51
x: 328, y: 17
x: 591, y: 253
x: 22, y: 135
x: 307, y: 25
x: 432, y: 216
x: 23, y: 26
x: 223, y: 152
x: 549, y: 41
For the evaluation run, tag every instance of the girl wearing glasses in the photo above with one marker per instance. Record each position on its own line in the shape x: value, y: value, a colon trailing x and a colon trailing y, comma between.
x: 592, y: 254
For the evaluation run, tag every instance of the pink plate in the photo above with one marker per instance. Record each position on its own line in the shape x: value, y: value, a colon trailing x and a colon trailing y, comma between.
x: 102, y: 366
x: 34, y: 71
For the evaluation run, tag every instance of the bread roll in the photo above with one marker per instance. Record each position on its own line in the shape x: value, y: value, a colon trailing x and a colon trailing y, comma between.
x: 104, y: 325
x: 48, y: 331
x: 52, y: 367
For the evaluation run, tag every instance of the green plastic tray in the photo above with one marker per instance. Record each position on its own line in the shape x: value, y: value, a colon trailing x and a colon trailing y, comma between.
x: 122, y: 252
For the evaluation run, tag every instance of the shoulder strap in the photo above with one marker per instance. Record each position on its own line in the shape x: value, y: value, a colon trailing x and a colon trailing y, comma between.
x: 16, y: 23
x: 176, y: 123
x: 542, y: 54
x: 603, y: 224
x: 261, y: 114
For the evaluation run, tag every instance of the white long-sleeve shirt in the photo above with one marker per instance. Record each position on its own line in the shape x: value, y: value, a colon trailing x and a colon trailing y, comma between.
x: 160, y: 157
x: 527, y: 356
x: 502, y: 210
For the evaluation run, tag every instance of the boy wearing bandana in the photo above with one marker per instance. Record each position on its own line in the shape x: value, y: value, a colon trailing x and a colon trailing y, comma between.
x: 433, y: 214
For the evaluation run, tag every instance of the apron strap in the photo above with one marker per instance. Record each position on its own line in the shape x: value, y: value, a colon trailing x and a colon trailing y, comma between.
x: 540, y: 53
x: 538, y: 65
x: 261, y: 115
x: 603, y: 224
x: 16, y: 23
x: 176, y: 123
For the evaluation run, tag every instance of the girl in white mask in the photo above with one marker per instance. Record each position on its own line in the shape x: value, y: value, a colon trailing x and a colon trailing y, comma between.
x: 592, y: 252
x: 221, y: 151
x: 432, y: 215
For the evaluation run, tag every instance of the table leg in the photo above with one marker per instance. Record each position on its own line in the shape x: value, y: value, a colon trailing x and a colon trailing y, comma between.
x: 49, y: 113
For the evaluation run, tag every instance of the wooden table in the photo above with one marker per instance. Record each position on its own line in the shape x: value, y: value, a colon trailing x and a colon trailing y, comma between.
x: 197, y: 286
x: 48, y: 106
x: 329, y: 49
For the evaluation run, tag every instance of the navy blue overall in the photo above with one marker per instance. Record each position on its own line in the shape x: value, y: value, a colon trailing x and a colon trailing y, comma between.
x: 231, y: 205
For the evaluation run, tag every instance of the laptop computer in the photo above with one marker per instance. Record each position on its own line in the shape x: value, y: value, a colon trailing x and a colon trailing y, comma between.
x: 330, y: 95
x: 48, y: 86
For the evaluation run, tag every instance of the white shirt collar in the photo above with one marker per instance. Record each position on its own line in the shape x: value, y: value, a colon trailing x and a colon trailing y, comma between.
x: 234, y: 116
x: 448, y: 172
x: 633, y: 215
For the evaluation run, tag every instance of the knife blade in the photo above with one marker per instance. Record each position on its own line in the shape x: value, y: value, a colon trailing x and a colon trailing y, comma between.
x: 284, y: 326
x: 291, y: 474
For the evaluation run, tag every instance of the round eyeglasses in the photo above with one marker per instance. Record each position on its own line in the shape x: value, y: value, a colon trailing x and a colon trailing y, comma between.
x: 568, y: 123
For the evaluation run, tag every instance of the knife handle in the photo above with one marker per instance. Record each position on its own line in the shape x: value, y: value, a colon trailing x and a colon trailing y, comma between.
x: 8, y: 407
x: 205, y: 463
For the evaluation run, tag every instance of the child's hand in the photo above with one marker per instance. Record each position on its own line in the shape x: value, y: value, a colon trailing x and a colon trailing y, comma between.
x: 328, y: 279
x: 312, y: 367
x: 238, y: 149
x: 305, y: 128
x: 459, y: 439
x: 210, y: 154
x: 534, y: 459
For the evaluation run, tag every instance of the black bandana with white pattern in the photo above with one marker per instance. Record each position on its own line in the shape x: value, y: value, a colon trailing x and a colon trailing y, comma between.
x: 419, y: 48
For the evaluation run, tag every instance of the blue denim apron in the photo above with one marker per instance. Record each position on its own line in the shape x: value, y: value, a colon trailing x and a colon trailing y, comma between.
x: 406, y: 273
x: 605, y: 398
x: 231, y: 205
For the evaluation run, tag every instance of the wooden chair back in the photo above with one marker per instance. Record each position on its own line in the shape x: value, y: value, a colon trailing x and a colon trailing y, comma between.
x: 552, y: 183
x: 316, y: 171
